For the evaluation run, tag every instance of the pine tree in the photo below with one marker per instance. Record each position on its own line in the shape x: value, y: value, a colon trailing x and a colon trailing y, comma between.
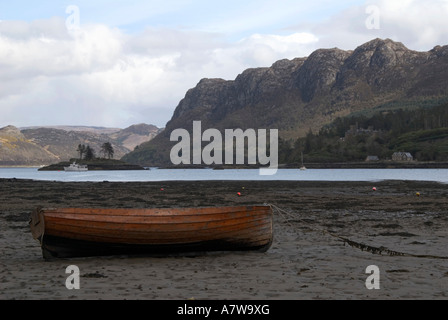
x: 107, y: 150
x: 81, y: 149
x: 89, y: 153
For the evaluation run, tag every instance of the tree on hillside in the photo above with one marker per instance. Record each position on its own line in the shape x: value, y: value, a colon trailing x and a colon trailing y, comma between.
x: 310, y: 142
x: 107, y: 150
x: 81, y: 149
x: 89, y: 153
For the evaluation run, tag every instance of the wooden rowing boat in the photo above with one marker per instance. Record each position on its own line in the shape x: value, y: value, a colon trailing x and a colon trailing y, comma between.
x: 76, y: 232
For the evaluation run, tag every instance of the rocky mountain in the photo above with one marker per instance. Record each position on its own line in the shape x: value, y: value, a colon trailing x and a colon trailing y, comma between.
x: 135, y: 135
x: 46, y: 145
x: 297, y: 95
x: 97, y: 130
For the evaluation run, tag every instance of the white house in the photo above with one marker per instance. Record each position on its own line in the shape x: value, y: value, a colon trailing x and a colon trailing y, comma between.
x: 402, y: 156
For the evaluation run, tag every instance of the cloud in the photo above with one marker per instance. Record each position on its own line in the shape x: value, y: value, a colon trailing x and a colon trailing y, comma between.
x: 26, y: 52
x: 264, y: 49
x: 420, y: 25
x: 102, y: 76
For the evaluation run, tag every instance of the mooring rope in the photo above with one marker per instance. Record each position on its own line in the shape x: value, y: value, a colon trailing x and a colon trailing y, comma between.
x: 287, y: 216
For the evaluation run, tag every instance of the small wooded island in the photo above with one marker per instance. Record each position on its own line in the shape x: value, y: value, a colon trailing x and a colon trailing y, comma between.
x: 94, y: 165
x: 89, y: 162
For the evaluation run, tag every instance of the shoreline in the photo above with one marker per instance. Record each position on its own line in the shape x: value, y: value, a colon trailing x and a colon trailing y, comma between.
x: 376, y: 165
x: 335, y: 165
x: 303, y: 263
x: 332, y: 165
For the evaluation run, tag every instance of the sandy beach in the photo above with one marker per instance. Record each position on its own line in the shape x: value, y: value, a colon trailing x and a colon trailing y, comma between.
x: 305, y: 261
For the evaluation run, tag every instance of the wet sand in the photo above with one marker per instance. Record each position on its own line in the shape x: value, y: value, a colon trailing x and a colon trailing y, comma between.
x: 305, y: 261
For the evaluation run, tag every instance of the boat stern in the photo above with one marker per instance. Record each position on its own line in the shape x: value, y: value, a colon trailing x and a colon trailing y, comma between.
x: 37, y: 224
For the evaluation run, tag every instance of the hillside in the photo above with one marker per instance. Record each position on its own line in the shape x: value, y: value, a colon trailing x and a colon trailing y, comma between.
x: 46, y: 145
x: 135, y: 135
x: 16, y: 149
x: 303, y: 94
x: 422, y: 132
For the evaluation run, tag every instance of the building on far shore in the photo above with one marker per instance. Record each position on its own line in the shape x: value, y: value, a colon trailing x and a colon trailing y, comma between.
x: 355, y: 130
x: 402, y: 156
x: 372, y: 159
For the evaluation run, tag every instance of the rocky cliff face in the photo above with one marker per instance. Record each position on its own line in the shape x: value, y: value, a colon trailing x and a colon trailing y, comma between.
x: 297, y: 95
x: 40, y: 145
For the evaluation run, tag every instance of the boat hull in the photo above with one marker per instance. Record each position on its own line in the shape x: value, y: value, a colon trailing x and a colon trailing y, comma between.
x: 75, y: 232
x: 76, y: 168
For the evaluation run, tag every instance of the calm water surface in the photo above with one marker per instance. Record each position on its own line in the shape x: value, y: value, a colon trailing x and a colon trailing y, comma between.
x: 438, y: 175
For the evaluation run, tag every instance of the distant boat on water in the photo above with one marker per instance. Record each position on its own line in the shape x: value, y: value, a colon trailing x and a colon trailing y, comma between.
x: 74, y: 167
x: 302, y: 168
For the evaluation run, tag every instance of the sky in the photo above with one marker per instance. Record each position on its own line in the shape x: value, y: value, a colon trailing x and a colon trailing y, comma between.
x: 118, y: 63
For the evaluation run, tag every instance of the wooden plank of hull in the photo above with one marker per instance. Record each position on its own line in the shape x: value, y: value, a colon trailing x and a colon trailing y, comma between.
x: 145, y: 219
x: 74, y: 232
x: 146, y: 235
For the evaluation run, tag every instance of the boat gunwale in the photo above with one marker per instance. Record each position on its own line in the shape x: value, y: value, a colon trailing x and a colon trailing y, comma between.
x: 154, y: 211
x: 157, y: 220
